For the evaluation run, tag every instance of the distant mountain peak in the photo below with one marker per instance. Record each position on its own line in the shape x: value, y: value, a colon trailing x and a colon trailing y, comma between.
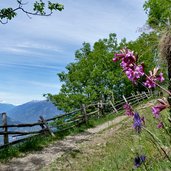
x: 30, y: 111
x: 5, y: 107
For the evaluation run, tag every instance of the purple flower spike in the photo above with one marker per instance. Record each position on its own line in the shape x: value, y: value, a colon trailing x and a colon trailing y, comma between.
x: 129, y: 66
x: 153, y: 77
x: 160, y: 77
x: 149, y: 83
x: 139, y: 160
x: 137, y: 123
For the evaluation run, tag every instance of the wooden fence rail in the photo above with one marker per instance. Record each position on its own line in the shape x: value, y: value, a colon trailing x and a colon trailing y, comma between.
x: 69, y: 120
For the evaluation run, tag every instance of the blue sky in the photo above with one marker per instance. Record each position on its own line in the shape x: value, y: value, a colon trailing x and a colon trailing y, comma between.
x: 33, y: 51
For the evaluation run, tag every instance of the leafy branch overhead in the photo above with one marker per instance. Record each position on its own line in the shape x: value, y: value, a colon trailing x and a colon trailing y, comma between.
x: 159, y: 13
x: 39, y: 8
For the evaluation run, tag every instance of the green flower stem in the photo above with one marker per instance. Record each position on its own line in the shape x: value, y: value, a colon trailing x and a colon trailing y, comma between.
x: 159, y: 143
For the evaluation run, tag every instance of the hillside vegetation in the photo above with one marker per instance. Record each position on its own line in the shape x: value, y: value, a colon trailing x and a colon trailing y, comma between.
x: 141, y: 142
x: 93, y: 77
x: 112, y: 150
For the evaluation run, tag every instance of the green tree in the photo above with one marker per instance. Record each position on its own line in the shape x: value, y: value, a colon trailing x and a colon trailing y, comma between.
x: 159, y: 18
x: 39, y: 8
x: 159, y: 13
x: 146, y: 46
x: 93, y: 76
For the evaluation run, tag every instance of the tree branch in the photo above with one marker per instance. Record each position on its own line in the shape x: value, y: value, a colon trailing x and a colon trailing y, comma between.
x: 39, y: 9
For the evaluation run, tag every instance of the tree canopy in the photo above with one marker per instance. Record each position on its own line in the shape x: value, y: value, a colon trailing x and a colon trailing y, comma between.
x: 93, y: 76
x: 39, y: 8
x: 159, y: 13
x: 159, y: 18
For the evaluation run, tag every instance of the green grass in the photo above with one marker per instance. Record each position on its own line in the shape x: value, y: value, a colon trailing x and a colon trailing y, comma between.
x: 120, y: 149
x: 117, y: 153
x: 37, y: 143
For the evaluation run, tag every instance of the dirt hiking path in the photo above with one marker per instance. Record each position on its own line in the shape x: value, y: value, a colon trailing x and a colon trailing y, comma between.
x: 41, y: 159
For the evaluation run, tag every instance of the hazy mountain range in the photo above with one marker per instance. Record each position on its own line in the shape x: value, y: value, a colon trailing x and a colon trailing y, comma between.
x: 5, y: 107
x: 29, y: 112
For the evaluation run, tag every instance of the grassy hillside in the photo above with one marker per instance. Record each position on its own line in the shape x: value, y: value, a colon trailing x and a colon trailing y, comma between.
x: 117, y: 151
x: 109, y: 150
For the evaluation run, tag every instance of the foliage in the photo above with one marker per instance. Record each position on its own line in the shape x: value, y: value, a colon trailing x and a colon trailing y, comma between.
x: 90, y: 78
x: 65, y: 122
x: 93, y: 77
x: 134, y: 71
x: 159, y: 18
x: 39, y: 8
x: 159, y: 13
x: 117, y: 150
x: 146, y: 48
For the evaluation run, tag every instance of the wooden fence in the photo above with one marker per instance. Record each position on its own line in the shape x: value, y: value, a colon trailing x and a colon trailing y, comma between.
x: 68, y: 120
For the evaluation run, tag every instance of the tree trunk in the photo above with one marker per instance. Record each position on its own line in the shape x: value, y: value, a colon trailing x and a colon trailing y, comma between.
x: 169, y: 83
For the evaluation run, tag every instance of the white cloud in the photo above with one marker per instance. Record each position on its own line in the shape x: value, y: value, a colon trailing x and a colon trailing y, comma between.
x: 47, y: 44
x: 83, y: 21
x: 30, y: 66
x: 45, y: 85
x: 29, y: 47
x: 17, y: 99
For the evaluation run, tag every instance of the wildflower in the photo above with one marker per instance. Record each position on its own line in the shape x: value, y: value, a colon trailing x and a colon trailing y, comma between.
x: 149, y: 83
x: 153, y: 77
x: 160, y: 77
x: 125, y: 53
x: 131, y: 69
x: 137, y: 122
x: 139, y: 70
x: 139, y: 160
x: 135, y: 72
x: 128, y: 109
x: 115, y: 59
x: 163, y: 104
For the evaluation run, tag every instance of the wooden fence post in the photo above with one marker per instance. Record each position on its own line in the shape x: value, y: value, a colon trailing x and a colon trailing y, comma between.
x: 46, y: 124
x: 125, y: 99
x: 113, y: 106
x: 101, y: 107
x: 41, y: 124
x: 140, y: 95
x: 133, y: 95
x: 4, y: 123
x: 146, y: 94
x: 84, y: 113
x: 113, y: 99
x: 148, y: 90
x: 151, y: 93
x: 137, y: 96
x: 98, y: 113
